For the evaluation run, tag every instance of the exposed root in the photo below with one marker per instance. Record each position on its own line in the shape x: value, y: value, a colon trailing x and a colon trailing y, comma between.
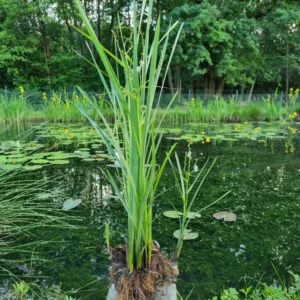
x: 141, y: 284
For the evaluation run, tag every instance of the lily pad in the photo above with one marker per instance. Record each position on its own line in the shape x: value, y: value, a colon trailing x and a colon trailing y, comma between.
x: 31, y: 168
x: 10, y: 167
x: 227, y: 216
x: 173, y: 214
x: 192, y: 215
x: 187, y: 234
x: 70, y: 204
x: 40, y: 161
x: 59, y: 162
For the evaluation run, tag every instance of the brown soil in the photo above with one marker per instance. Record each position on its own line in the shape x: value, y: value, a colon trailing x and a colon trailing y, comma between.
x: 141, y: 284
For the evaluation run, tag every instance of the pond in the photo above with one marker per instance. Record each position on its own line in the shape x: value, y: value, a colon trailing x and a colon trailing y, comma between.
x: 258, y: 163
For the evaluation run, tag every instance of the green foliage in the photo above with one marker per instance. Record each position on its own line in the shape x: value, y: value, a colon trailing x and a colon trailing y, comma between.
x: 223, y: 45
x: 265, y: 292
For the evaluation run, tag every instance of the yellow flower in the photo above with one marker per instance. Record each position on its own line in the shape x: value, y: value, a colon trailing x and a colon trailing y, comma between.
x: 207, y: 140
x: 235, y: 128
x: 245, y: 123
x: 297, y: 92
x: 21, y: 89
x: 256, y: 128
x: 291, y: 89
x: 203, y: 132
x: 202, y: 142
x: 66, y: 131
x: 193, y: 99
x: 53, y: 99
x: 76, y: 97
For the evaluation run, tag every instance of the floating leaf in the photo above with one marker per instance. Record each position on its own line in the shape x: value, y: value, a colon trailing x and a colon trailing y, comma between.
x: 70, y: 204
x: 220, y: 215
x: 40, y: 161
x: 187, y: 234
x: 173, y: 214
x: 192, y: 215
x: 59, y: 162
x: 31, y: 168
x: 10, y: 167
x: 227, y: 216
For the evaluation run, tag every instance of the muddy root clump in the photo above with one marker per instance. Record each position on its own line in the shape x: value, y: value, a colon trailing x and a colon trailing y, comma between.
x: 141, y: 284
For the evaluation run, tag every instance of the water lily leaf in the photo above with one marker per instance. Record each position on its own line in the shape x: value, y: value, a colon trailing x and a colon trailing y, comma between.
x: 230, y: 217
x: 173, y: 214
x: 10, y: 167
x: 31, y: 168
x: 187, y: 234
x: 192, y: 215
x: 70, y: 204
x: 59, y: 162
x: 227, y: 216
x: 40, y: 161
x: 220, y: 215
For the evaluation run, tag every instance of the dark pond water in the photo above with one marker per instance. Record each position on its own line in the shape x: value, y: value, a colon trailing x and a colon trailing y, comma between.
x: 264, y: 181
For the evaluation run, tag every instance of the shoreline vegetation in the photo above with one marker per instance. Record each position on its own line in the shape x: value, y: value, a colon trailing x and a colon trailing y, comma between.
x: 57, y: 107
x: 21, y: 289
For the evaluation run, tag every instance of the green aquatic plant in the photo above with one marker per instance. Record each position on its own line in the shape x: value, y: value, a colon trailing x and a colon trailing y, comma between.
x: 26, y: 205
x: 134, y: 122
x: 189, y: 180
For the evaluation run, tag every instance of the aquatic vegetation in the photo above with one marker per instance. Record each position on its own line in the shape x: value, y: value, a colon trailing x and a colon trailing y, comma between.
x: 226, y: 216
x: 136, y: 154
x: 24, y: 207
x: 15, y: 109
x: 188, y: 186
x: 61, y: 107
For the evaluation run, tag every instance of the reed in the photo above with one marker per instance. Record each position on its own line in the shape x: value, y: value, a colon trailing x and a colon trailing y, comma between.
x: 134, y: 119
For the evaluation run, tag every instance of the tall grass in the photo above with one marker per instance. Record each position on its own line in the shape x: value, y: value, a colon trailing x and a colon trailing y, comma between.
x: 61, y: 107
x: 13, y: 109
x: 134, y: 114
x: 22, y: 211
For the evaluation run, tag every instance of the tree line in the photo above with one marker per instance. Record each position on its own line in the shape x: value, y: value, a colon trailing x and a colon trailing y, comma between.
x: 250, y: 45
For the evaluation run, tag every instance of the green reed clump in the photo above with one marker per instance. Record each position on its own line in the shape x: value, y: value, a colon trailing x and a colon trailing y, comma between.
x: 62, y: 107
x: 140, y: 61
x: 14, y: 108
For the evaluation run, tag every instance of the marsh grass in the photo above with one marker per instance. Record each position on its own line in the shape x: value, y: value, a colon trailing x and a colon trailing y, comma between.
x: 22, y: 211
x: 62, y: 107
x: 14, y: 109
